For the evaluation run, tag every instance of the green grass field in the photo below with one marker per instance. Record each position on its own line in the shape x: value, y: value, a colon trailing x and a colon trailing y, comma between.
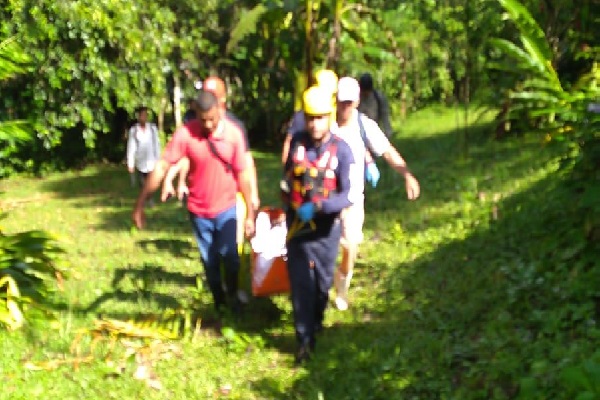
x: 458, y: 295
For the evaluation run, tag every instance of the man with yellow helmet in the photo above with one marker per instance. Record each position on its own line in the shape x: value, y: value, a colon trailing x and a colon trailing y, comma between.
x: 316, y: 189
x: 325, y: 79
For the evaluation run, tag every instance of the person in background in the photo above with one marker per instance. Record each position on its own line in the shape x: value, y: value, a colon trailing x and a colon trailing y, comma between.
x: 190, y: 113
x: 364, y: 137
x: 216, y: 152
x: 315, y: 189
x: 374, y: 104
x: 326, y: 79
x: 143, y: 148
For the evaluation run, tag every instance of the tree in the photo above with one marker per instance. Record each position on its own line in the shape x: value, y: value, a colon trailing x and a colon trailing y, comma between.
x: 27, y: 259
x: 13, y: 132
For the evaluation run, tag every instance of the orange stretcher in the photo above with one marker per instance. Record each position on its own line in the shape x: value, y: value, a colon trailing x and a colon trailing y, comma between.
x: 269, y: 260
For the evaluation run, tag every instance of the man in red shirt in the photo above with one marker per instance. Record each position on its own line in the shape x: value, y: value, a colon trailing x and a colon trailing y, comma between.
x: 216, y: 150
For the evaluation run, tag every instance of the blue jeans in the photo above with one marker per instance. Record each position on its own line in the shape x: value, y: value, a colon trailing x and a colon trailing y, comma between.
x: 216, y: 239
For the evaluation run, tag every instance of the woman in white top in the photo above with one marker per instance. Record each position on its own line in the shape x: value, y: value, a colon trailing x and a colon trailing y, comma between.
x: 143, y: 147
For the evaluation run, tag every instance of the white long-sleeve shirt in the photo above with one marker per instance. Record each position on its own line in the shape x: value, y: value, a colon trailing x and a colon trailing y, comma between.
x: 377, y: 143
x: 143, y: 147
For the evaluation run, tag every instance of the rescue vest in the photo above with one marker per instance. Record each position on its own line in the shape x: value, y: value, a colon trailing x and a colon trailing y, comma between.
x: 312, y: 180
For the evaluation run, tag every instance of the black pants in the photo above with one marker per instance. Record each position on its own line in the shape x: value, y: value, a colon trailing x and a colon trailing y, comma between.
x: 311, y: 262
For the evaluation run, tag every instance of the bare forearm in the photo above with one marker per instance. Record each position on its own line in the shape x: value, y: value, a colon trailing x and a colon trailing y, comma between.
x: 251, y: 166
x: 245, y: 179
x: 395, y: 160
x: 172, y: 173
x: 183, y: 167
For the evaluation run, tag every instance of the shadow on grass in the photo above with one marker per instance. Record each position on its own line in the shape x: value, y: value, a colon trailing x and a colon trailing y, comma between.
x: 473, y: 319
x: 107, y: 188
x: 177, y: 247
x: 151, y: 275
x: 132, y: 285
x: 137, y: 288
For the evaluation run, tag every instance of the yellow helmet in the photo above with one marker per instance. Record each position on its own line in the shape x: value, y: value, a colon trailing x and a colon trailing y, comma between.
x: 327, y: 79
x: 317, y: 101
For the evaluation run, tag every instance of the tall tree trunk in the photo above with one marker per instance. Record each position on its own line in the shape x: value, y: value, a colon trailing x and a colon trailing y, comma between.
x: 161, y: 114
x: 309, y: 43
x: 403, y: 94
x: 467, y: 79
x: 333, y: 55
x: 177, y: 98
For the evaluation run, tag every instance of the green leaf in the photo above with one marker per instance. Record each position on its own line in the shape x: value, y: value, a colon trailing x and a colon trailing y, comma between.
x: 575, y: 379
x: 246, y: 25
x: 533, y: 39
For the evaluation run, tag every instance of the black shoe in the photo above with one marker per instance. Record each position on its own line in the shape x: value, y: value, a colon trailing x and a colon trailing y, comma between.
x: 302, y: 355
x: 318, y: 328
x: 236, y: 307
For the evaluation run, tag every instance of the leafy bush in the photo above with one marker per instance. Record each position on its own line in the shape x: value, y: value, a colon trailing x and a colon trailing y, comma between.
x: 27, y: 268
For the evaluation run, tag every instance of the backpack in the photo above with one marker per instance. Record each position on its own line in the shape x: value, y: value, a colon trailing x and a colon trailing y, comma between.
x: 379, y: 104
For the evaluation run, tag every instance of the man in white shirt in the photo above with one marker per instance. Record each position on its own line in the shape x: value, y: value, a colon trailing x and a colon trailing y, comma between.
x: 364, y: 136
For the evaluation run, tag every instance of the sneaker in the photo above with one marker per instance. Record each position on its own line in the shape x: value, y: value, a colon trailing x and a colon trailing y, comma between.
x: 341, y: 304
x: 318, y: 329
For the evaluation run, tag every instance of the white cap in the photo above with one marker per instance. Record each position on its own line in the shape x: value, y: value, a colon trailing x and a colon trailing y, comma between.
x: 348, y: 89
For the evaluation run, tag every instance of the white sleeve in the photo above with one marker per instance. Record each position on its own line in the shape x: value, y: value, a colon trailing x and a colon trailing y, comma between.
x: 131, y: 147
x: 376, y: 139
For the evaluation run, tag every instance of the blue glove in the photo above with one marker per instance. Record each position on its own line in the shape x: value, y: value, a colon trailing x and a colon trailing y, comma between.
x: 306, y: 211
x: 372, y: 173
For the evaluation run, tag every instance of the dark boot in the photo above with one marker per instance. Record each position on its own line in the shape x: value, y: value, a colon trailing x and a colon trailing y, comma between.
x: 219, y: 298
x: 231, y: 282
x: 303, y: 355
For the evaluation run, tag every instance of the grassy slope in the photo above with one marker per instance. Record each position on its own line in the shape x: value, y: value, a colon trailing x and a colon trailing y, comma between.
x: 459, y: 295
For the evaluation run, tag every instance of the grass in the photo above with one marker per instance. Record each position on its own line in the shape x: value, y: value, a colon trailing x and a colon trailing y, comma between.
x: 468, y: 293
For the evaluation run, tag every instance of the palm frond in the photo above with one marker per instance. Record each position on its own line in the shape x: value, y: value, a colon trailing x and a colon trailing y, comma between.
x: 13, y: 60
x: 533, y: 38
x: 246, y: 25
x: 515, y: 54
x: 15, y: 131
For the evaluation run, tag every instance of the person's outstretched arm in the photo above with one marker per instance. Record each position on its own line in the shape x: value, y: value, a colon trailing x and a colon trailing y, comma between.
x: 184, y: 169
x: 181, y: 168
x: 395, y: 160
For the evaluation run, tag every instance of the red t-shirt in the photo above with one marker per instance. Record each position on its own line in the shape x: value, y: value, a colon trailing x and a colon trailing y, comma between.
x: 212, y: 185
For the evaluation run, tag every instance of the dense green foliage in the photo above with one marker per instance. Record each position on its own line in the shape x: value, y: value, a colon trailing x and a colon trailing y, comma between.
x: 93, y: 62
